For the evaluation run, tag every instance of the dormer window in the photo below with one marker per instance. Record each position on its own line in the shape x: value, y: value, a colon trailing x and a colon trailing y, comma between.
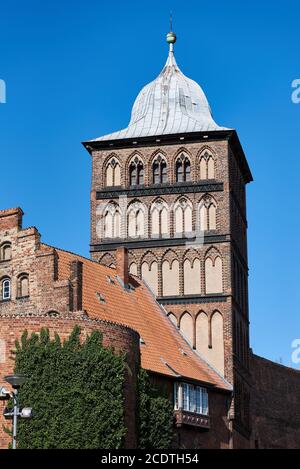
x: 5, y: 252
x: 6, y: 289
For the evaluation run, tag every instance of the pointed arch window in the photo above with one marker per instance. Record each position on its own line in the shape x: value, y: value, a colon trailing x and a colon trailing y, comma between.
x: 112, y: 222
x: 136, y: 220
x: 113, y: 173
x: 159, y: 219
x: 6, y: 289
x: 208, y: 214
x: 183, y: 217
x: 207, y: 166
x: 136, y: 173
x: 159, y: 169
x: 183, y: 169
x: 5, y: 252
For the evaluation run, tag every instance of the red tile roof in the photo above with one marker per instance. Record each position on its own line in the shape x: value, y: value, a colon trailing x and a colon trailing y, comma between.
x: 164, y: 350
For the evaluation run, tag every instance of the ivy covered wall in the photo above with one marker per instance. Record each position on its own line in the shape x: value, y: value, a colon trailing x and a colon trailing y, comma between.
x: 76, y: 389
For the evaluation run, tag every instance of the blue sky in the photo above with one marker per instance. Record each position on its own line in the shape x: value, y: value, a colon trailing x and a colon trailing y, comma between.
x: 72, y: 71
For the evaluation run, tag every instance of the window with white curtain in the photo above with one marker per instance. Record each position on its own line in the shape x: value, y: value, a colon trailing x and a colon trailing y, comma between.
x: 191, y: 398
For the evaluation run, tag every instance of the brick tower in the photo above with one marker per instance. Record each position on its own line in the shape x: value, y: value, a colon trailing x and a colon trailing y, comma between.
x: 171, y: 188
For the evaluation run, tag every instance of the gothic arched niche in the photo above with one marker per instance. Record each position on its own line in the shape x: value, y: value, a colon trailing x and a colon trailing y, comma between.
x: 173, y: 318
x: 159, y: 219
x: 207, y: 166
x: 187, y: 327
x: 192, y: 277
x: 136, y: 220
x: 213, y: 273
x: 217, y: 342
x: 207, y: 213
x: 113, y: 172
x: 202, y: 335
x: 183, y: 216
x: 112, y: 221
x: 170, y: 275
x: 149, y: 272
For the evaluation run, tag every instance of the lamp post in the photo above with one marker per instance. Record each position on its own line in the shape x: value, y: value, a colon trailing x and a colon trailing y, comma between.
x: 16, y: 381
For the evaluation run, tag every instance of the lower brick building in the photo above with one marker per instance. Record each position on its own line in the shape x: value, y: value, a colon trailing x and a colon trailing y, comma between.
x: 42, y: 286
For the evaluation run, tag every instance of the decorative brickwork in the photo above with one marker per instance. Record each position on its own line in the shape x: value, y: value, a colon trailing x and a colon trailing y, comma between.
x: 211, y: 263
x: 66, y: 289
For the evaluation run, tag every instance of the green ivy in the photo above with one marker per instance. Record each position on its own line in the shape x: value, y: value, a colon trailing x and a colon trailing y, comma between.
x: 155, y: 416
x: 75, y: 389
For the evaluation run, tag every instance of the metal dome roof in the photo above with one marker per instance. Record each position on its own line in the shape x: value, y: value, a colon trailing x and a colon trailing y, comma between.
x: 171, y: 104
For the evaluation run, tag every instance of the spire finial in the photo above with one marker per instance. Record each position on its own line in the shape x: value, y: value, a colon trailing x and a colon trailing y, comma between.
x: 171, y: 37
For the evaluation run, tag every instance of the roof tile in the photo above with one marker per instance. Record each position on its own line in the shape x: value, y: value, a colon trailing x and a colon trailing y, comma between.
x: 164, y: 350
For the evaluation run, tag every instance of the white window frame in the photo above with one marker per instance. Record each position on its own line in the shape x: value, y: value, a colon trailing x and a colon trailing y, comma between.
x: 191, y: 398
x: 6, y: 289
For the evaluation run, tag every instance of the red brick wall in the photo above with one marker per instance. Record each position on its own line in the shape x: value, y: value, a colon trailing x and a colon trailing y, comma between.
x: 275, y: 405
x: 122, y: 339
x: 231, y: 224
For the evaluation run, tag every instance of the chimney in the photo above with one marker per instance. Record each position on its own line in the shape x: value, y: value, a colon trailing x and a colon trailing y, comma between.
x: 76, y: 281
x: 11, y: 219
x: 122, y: 266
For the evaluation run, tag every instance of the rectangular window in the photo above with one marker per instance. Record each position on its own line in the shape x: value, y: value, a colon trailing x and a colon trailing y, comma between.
x: 194, y: 398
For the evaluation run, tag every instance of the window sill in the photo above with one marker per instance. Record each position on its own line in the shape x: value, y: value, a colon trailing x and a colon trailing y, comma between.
x: 183, y: 417
x: 5, y: 300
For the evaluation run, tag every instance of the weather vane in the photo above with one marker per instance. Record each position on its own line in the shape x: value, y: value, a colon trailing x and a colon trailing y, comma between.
x: 171, y: 37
